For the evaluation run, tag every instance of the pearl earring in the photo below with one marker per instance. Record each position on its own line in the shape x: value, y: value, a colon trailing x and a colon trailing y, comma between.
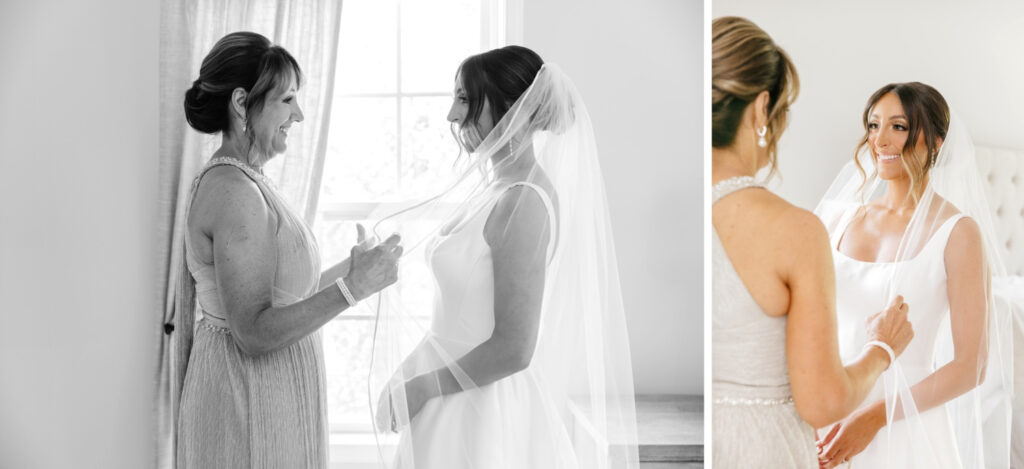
x: 761, y: 142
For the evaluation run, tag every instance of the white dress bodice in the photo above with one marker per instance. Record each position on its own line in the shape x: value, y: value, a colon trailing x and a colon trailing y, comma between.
x: 860, y: 292
x: 861, y: 289
x: 460, y: 261
x: 508, y: 424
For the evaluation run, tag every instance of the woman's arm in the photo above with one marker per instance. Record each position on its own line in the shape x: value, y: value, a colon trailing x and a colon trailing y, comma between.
x: 245, y: 263
x: 333, y: 273
x: 823, y: 389
x: 518, y: 232
x: 966, y: 288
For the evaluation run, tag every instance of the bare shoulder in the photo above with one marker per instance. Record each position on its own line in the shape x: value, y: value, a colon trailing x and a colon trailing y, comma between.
x: 965, y: 232
x: 519, y: 209
x: 803, y: 225
x: 226, y: 181
x: 965, y: 236
x: 226, y: 194
x: 774, y: 217
x: 804, y: 236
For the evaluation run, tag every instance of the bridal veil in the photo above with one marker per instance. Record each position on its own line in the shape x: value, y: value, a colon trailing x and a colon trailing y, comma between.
x: 981, y: 416
x: 582, y: 356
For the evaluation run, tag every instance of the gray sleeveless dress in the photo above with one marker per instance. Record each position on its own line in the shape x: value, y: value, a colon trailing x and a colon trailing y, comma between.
x: 267, y: 411
x: 754, y: 422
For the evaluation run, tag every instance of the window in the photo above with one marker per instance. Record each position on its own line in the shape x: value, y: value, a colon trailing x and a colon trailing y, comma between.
x: 390, y: 142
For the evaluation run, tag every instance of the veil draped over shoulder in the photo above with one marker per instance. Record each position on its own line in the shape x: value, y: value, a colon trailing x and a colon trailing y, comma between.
x: 580, y: 367
x: 980, y: 417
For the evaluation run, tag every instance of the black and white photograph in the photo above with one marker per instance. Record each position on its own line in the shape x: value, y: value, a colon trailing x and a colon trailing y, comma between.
x: 353, y: 234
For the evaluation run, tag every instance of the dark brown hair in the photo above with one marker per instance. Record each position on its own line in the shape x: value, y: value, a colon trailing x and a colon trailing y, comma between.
x: 927, y: 114
x: 239, y: 60
x: 744, y: 62
x: 499, y: 77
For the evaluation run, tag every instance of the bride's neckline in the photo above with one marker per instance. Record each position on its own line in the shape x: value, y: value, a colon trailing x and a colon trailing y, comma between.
x: 924, y: 247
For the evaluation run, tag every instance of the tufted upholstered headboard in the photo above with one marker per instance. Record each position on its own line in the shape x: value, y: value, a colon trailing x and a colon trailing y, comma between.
x: 1004, y: 171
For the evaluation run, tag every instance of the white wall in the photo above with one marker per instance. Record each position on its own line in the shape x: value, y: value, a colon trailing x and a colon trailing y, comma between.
x: 78, y: 126
x: 972, y: 52
x: 639, y: 66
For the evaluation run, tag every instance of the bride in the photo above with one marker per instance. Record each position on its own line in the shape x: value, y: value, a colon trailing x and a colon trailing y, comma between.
x: 525, y: 361
x: 929, y: 236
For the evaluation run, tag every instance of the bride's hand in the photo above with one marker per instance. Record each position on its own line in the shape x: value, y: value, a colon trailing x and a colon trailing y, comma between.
x: 385, y: 417
x: 891, y: 326
x: 388, y: 416
x: 849, y: 437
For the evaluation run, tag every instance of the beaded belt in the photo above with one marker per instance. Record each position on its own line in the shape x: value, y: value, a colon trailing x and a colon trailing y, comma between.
x: 752, y: 401
x: 214, y: 323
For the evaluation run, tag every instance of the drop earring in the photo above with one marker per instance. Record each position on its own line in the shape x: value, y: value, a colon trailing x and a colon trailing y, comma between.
x: 761, y: 142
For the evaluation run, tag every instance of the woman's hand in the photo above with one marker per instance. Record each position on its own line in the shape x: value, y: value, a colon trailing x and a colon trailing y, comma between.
x: 385, y: 417
x: 372, y: 268
x: 891, y: 326
x: 850, y: 436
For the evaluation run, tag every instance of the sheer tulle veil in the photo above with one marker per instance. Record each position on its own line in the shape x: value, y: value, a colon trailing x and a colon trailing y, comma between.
x: 980, y: 417
x: 581, y: 361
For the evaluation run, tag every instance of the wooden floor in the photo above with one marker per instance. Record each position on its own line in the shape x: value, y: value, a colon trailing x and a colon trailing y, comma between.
x: 670, y: 431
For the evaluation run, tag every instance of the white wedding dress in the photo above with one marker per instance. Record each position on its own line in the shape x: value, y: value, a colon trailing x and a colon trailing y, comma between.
x: 510, y: 424
x: 861, y: 289
x: 573, y: 405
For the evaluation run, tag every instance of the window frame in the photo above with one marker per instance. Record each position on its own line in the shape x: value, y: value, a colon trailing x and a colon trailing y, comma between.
x: 501, y: 24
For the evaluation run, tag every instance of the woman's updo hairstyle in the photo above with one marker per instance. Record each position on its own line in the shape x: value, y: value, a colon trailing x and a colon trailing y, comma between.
x: 239, y: 60
x: 501, y: 76
x: 744, y: 62
x: 927, y: 114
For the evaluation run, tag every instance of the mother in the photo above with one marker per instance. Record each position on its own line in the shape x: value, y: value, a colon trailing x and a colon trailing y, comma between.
x: 253, y: 394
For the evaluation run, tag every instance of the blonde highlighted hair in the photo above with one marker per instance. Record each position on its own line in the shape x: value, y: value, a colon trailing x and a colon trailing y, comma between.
x: 744, y: 62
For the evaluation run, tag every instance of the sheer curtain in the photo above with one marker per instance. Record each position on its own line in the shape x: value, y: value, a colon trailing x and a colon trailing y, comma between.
x: 309, y: 30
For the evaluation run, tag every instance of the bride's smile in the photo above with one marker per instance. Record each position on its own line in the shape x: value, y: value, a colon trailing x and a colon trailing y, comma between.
x: 888, y: 131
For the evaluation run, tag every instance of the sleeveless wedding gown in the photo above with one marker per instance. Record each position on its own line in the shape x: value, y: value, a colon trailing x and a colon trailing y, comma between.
x: 510, y: 424
x: 860, y: 291
x: 754, y: 423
